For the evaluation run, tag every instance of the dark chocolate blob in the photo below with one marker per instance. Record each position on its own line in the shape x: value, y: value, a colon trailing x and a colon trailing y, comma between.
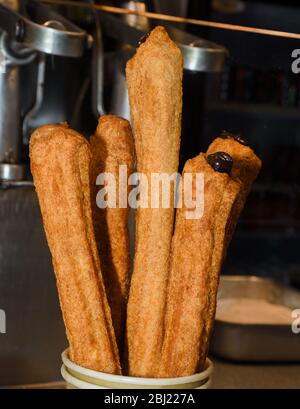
x: 238, y: 138
x: 143, y: 39
x: 220, y: 161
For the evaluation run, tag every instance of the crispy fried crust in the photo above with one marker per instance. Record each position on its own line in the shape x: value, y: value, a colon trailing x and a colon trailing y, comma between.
x: 60, y: 165
x: 112, y: 146
x: 197, y: 249
x: 154, y: 77
x: 246, y: 167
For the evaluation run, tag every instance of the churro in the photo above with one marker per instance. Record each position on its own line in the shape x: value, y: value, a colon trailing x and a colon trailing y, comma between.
x: 246, y: 167
x: 60, y: 165
x: 154, y: 77
x: 112, y: 146
x: 197, y: 249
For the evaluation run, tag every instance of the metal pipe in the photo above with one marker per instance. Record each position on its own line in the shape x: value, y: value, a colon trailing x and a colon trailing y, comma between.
x: 9, y: 112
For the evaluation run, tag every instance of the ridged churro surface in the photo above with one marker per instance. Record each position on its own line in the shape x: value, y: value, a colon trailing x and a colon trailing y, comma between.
x: 197, y: 249
x: 246, y: 167
x: 112, y: 146
x: 154, y: 77
x: 60, y: 165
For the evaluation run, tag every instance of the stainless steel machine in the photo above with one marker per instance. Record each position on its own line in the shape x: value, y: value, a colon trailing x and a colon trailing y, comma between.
x: 51, y: 70
x: 34, y: 333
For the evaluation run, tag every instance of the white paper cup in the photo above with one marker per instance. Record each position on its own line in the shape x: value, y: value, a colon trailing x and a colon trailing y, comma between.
x: 78, y: 377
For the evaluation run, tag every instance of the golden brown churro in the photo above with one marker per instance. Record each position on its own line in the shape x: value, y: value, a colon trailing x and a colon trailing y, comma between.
x: 60, y: 165
x: 197, y: 249
x: 154, y: 77
x: 246, y: 167
x: 112, y: 146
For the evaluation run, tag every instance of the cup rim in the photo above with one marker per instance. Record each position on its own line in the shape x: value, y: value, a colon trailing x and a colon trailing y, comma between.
x: 132, y: 380
x: 78, y: 383
x: 83, y: 384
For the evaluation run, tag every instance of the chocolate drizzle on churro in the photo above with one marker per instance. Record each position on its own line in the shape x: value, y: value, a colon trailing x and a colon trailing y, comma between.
x: 220, y: 161
x: 236, y: 137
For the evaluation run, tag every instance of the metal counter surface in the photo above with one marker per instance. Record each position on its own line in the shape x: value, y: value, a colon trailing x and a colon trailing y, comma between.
x: 228, y: 375
x: 261, y: 376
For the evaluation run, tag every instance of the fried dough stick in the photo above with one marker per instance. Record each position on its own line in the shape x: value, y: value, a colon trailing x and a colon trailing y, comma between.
x: 245, y: 169
x: 112, y: 145
x: 154, y: 77
x: 197, y: 250
x: 60, y: 165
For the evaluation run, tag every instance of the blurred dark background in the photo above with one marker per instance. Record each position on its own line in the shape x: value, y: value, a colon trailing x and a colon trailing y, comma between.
x: 257, y: 96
